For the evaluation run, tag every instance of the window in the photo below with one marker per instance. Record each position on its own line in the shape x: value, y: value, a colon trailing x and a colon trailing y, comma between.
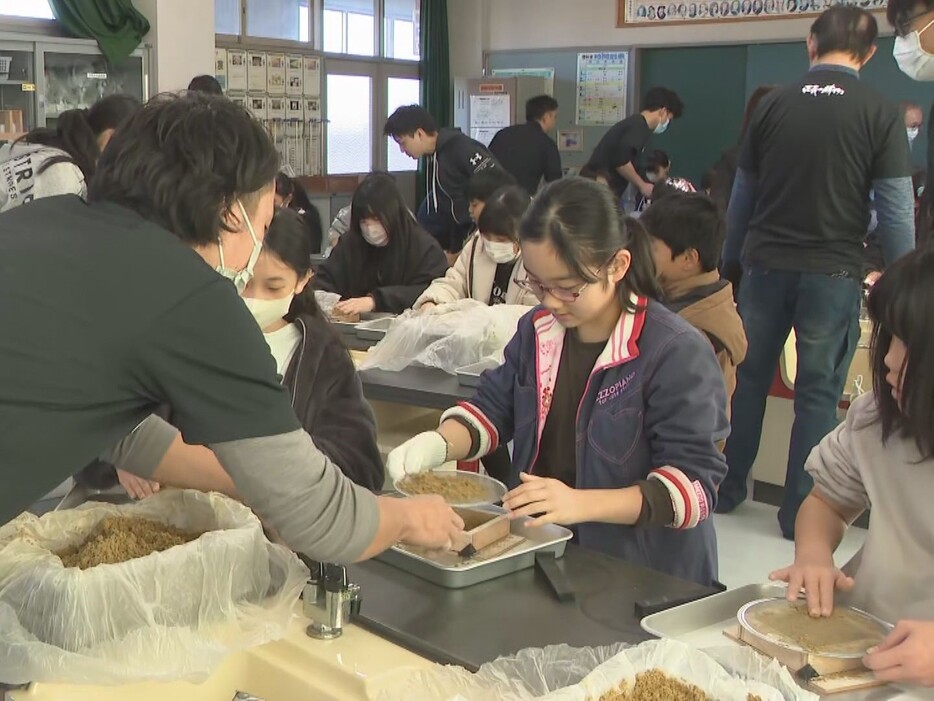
x: 401, y: 91
x: 40, y: 9
x: 349, y: 27
x: 350, y: 124
x: 278, y: 19
x: 402, y: 30
x: 227, y: 16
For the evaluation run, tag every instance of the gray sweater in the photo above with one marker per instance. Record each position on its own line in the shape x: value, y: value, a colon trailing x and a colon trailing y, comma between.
x: 22, y: 183
x: 895, y: 568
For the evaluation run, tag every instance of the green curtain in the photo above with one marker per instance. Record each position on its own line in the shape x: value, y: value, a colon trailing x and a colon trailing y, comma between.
x: 117, y: 26
x: 434, y: 69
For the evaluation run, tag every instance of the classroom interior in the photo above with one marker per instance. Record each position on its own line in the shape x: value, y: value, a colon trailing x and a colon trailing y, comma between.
x: 356, y: 61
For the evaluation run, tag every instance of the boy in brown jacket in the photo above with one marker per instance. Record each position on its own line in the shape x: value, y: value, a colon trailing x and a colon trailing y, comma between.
x: 687, y: 233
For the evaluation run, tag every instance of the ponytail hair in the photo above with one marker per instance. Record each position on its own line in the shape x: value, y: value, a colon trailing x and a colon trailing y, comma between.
x: 582, y: 222
x: 73, y: 135
x: 287, y: 239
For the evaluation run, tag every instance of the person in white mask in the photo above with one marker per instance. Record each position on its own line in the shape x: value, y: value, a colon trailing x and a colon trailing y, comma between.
x: 913, y: 22
x: 914, y: 120
x: 490, y: 264
x: 385, y: 260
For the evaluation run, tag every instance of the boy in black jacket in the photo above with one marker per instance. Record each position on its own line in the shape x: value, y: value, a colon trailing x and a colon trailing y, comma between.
x: 452, y: 157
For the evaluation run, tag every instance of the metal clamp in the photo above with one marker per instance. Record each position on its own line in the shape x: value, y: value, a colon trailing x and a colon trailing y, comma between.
x: 329, y: 600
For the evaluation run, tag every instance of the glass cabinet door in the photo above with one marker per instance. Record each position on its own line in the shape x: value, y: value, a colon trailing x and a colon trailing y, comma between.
x: 17, y: 92
x: 77, y: 81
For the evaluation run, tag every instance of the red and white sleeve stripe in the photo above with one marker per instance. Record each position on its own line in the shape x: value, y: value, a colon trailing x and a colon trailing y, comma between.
x: 489, y: 436
x: 687, y: 497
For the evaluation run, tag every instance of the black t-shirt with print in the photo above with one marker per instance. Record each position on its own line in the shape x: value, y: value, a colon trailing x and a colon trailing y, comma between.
x: 815, y: 147
x: 622, y: 144
x: 105, y: 317
x: 501, y: 279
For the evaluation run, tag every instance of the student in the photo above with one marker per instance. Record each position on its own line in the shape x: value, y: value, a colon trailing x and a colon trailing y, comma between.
x: 525, y: 150
x: 315, y: 366
x: 881, y: 457
x: 385, y: 260
x: 614, y: 157
x: 687, y: 234
x: 207, y: 84
x: 60, y: 160
x: 489, y: 269
x: 291, y: 194
x: 451, y: 158
x: 658, y: 172
x: 614, y: 405
x: 481, y: 187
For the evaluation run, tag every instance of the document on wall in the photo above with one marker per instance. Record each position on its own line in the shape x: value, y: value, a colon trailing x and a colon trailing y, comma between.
x: 312, y: 76
x: 236, y: 70
x: 220, y: 67
x: 602, y: 82
x: 294, y: 76
x: 275, y: 74
x: 488, y: 114
x: 256, y: 71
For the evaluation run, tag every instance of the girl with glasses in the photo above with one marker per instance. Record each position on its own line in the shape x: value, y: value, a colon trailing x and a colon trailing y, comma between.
x: 614, y: 404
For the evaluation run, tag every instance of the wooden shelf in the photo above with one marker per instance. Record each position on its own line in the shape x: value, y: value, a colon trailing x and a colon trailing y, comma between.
x: 11, y: 135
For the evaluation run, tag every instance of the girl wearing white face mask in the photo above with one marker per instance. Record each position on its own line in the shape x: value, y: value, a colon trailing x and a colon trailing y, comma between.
x: 490, y: 263
x: 315, y: 366
x: 385, y: 260
x: 913, y: 21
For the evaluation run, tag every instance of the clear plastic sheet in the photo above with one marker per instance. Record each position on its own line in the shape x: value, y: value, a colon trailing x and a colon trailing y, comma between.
x: 326, y: 300
x: 447, y: 337
x: 563, y: 673
x: 167, y: 616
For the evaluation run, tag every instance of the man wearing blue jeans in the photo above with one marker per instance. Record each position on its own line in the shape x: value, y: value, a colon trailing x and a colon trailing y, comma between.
x: 797, y: 218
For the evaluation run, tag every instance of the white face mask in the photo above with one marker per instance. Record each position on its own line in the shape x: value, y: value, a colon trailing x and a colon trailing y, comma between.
x: 500, y: 251
x: 651, y: 177
x: 913, y: 134
x: 268, y: 311
x: 241, y: 278
x: 374, y: 233
x: 662, y: 127
x: 913, y: 60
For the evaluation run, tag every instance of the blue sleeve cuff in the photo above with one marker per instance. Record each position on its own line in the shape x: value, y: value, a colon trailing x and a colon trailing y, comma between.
x: 742, y: 204
x: 895, y: 212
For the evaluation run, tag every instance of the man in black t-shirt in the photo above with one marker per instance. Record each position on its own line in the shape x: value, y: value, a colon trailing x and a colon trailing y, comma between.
x: 525, y: 150
x: 613, y: 159
x: 134, y: 312
x: 798, y: 215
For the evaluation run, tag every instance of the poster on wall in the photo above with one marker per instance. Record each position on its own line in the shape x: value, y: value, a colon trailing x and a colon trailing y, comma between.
x: 547, y: 73
x: 602, y: 80
x: 236, y: 70
x: 294, y: 110
x: 311, y: 72
x: 275, y: 107
x: 220, y: 67
x: 275, y: 74
x: 488, y: 114
x: 655, y: 12
x: 293, y: 76
x: 256, y: 71
x: 257, y: 105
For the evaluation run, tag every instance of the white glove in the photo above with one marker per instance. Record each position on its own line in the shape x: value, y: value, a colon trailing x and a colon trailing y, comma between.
x: 424, y: 452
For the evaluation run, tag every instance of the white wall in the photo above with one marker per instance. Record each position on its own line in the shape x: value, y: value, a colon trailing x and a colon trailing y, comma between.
x: 550, y: 24
x: 182, y: 37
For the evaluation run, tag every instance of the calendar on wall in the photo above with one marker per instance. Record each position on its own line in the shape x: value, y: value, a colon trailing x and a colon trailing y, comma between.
x: 602, y: 82
x: 282, y: 91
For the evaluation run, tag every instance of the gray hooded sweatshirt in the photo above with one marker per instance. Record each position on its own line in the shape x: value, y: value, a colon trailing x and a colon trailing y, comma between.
x: 22, y: 182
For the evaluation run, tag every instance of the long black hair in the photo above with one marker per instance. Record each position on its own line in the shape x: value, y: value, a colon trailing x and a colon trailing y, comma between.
x: 73, y: 135
x: 503, y: 212
x: 582, y: 222
x: 287, y: 239
x: 290, y: 189
x: 901, y: 305
x: 111, y: 112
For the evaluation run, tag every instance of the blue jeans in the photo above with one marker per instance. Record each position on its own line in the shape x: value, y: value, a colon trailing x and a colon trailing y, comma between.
x: 824, y: 312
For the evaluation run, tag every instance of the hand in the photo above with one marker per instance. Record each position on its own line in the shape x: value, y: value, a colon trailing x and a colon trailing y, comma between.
x: 646, y: 189
x: 872, y: 278
x: 358, y: 305
x: 906, y: 655
x: 426, y: 307
x: 819, y: 578
x: 553, y: 499
x: 425, y: 452
x: 137, y: 487
x: 431, y: 523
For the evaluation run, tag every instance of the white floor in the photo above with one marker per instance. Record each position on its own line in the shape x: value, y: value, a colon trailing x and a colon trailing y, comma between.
x: 751, y: 545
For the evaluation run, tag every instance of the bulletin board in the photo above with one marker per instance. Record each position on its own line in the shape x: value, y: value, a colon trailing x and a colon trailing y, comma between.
x: 656, y: 12
x: 565, y: 65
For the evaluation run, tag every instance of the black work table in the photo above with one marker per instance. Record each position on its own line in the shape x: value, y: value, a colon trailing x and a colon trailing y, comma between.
x: 423, y: 387
x: 477, y: 624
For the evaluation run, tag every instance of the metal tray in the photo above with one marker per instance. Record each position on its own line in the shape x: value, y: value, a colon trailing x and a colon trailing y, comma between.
x: 450, y: 571
x: 495, y: 490
x: 469, y: 375
x: 374, y: 330
x: 351, y: 327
